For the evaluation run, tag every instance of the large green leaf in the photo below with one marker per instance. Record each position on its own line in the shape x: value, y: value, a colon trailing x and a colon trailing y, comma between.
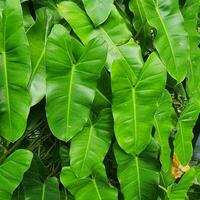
x: 71, y: 83
x: 190, y: 14
x: 15, y: 72
x: 134, y: 102
x: 90, y: 146
x: 35, y: 189
x: 37, y: 37
x: 178, y: 191
x: 138, y: 175
x: 111, y: 30
x: 163, y: 126
x: 171, y: 40
x: 94, y: 187
x: 183, y: 141
x: 12, y: 171
x: 98, y: 10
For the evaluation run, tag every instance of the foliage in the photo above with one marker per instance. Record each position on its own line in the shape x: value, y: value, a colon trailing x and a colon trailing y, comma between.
x: 99, y: 99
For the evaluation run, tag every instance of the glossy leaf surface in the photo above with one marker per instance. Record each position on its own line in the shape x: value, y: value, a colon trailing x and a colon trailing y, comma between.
x: 179, y: 191
x: 138, y: 175
x: 12, y: 171
x: 35, y: 189
x: 89, y: 147
x: 183, y: 141
x: 163, y: 126
x: 37, y: 37
x: 190, y: 14
x: 95, y: 187
x: 72, y: 83
x: 134, y: 103
x: 14, y: 72
x: 110, y: 30
x: 98, y: 10
x: 171, y: 39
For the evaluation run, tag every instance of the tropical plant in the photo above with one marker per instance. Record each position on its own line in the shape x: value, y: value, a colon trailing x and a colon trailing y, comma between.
x: 99, y: 100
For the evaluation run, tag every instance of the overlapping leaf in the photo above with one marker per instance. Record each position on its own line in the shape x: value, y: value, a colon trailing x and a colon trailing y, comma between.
x: 37, y: 37
x: 183, y: 141
x: 171, y: 39
x: 14, y: 72
x: 35, y: 189
x: 111, y: 30
x: 12, y: 171
x: 138, y: 175
x: 140, y: 24
x: 190, y: 14
x: 89, y: 147
x: 163, y: 126
x: 179, y: 191
x: 94, y: 187
x: 71, y: 83
x: 98, y: 10
x: 134, y: 102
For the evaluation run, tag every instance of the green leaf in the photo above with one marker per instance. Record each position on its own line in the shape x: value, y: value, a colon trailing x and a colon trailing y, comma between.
x: 37, y: 37
x: 90, y: 146
x: 171, y: 40
x: 98, y: 10
x: 96, y: 187
x: 134, y: 103
x: 163, y: 126
x: 190, y: 14
x: 138, y: 175
x: 140, y: 24
x: 71, y: 83
x: 12, y: 171
x: 35, y: 189
x: 183, y: 140
x: 178, y: 191
x: 15, y: 71
x: 111, y: 30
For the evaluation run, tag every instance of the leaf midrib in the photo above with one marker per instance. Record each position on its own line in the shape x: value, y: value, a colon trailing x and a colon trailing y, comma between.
x: 96, y: 188
x: 138, y: 177
x: 87, y: 148
x: 6, y: 73
x: 70, y: 94
x: 42, y: 53
x: 134, y: 115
